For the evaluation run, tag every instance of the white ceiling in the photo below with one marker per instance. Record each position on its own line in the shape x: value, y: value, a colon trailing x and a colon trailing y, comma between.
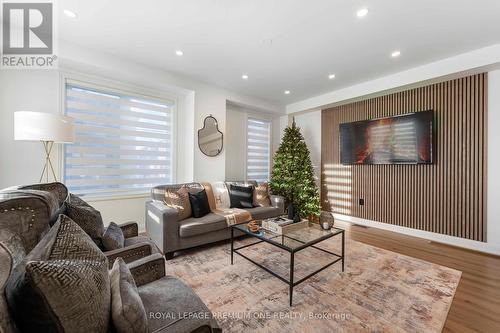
x: 223, y: 39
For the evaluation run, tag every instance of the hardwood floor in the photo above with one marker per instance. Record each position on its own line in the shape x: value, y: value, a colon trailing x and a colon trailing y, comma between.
x: 476, y: 306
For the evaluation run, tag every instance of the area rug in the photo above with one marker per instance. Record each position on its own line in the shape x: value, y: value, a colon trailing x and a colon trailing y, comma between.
x: 380, y: 291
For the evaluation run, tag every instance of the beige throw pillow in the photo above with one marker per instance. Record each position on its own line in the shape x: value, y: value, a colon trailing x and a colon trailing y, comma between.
x: 221, y: 195
x: 261, y: 196
x: 180, y: 201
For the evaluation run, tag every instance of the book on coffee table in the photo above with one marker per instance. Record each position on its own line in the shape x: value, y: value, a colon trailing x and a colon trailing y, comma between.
x: 280, y: 220
x: 277, y: 224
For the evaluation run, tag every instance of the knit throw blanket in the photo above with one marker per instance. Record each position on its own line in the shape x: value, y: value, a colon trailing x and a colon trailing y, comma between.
x: 231, y: 215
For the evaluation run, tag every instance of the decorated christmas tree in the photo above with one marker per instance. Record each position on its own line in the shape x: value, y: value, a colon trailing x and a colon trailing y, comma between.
x: 293, y: 175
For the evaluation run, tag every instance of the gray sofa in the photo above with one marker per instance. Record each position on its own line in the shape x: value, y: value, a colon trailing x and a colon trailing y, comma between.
x: 24, y: 221
x: 171, y: 235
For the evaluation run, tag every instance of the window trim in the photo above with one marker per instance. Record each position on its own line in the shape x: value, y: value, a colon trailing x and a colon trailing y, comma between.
x: 255, y: 116
x: 119, y: 88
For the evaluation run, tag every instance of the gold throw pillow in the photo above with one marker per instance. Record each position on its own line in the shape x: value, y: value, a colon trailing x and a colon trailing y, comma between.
x: 180, y: 201
x: 261, y: 196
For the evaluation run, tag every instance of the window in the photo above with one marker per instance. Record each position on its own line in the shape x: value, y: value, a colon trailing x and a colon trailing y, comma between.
x: 258, y: 149
x: 123, y: 142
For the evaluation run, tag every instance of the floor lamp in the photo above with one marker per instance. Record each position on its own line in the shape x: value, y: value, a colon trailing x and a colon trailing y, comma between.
x: 47, y: 128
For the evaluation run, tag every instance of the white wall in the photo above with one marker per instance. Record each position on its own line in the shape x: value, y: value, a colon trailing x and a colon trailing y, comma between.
x: 235, y: 143
x: 310, y: 122
x: 40, y: 90
x: 236, y: 129
x: 473, y: 62
x: 21, y: 162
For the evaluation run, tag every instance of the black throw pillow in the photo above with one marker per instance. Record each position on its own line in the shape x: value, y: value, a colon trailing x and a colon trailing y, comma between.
x: 241, y: 196
x: 199, y: 203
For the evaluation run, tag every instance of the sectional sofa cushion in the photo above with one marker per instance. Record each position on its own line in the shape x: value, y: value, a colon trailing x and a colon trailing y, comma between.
x: 127, y: 310
x: 261, y: 213
x: 199, y: 203
x: 88, y: 218
x: 241, y: 196
x: 179, y: 200
x: 62, y: 285
x: 199, y: 226
x: 113, y: 237
x: 261, y: 196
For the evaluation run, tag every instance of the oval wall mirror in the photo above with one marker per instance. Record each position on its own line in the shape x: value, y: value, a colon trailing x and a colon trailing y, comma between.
x: 210, y: 139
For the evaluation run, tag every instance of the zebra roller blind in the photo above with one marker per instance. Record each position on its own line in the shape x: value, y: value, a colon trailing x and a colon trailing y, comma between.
x: 258, y: 149
x: 123, y: 142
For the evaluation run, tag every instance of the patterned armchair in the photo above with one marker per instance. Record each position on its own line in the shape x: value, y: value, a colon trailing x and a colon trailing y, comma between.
x: 161, y: 293
x: 25, y: 229
x: 135, y: 246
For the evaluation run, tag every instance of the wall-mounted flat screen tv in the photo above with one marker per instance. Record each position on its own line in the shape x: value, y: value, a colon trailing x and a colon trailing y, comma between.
x: 403, y: 139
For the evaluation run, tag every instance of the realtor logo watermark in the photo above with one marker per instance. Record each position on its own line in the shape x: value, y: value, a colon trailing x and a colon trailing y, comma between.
x: 28, y: 35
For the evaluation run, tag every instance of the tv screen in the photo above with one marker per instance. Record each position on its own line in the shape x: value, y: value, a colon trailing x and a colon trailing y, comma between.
x: 404, y: 139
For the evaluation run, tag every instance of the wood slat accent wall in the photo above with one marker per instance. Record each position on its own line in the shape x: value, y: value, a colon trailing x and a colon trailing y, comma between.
x: 447, y: 197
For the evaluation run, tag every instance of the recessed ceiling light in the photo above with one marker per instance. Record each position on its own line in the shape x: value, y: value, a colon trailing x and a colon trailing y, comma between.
x: 70, y: 13
x: 331, y: 76
x: 244, y: 77
x: 362, y: 12
x: 179, y: 53
x: 395, y: 54
x: 287, y: 92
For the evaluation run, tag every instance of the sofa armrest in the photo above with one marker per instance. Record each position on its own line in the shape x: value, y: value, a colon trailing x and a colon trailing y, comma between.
x: 147, y: 269
x: 130, y: 229
x: 129, y: 253
x: 278, y: 201
x: 162, y: 226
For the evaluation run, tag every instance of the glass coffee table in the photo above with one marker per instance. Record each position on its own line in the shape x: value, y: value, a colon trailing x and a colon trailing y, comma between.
x: 292, y: 242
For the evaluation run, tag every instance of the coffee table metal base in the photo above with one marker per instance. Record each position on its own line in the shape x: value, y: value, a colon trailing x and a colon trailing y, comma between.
x: 291, y: 283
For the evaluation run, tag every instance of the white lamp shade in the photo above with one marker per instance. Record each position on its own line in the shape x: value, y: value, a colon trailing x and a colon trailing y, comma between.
x: 39, y: 126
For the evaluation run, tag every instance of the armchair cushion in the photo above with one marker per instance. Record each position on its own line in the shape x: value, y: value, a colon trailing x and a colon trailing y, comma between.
x: 130, y: 229
x: 185, y: 311
x: 141, y: 239
x: 127, y: 310
x: 88, y: 218
x: 130, y: 253
x: 113, y: 237
x: 62, y: 285
x: 60, y: 190
x: 148, y: 269
x: 11, y: 253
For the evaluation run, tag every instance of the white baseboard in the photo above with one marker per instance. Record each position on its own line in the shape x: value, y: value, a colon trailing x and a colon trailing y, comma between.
x: 438, y: 238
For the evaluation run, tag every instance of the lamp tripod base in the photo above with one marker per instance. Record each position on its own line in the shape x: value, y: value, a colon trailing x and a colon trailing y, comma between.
x: 47, y: 168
